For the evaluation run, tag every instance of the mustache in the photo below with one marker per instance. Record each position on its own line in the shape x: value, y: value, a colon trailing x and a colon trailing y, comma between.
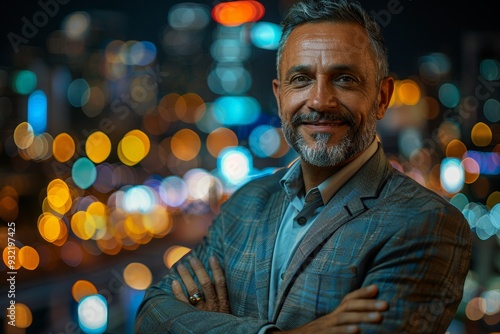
x: 315, y: 116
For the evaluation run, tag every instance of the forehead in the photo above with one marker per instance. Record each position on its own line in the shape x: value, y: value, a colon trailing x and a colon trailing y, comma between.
x: 330, y: 39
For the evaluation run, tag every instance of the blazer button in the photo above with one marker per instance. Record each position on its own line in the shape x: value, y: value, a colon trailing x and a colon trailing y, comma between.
x: 302, y: 221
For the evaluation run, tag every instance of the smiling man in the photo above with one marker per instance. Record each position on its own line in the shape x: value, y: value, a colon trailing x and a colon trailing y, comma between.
x: 338, y: 242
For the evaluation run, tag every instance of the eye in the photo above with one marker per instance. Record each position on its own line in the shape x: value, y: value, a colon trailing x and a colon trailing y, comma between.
x: 346, y: 79
x: 299, y: 79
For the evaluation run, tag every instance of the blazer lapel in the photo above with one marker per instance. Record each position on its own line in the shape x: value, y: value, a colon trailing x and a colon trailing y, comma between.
x: 344, y: 206
x: 269, y: 220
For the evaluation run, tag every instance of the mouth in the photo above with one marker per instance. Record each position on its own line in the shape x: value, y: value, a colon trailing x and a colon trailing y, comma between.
x: 324, y: 121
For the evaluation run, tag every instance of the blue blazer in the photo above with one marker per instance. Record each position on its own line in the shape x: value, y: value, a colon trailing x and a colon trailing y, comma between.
x: 380, y: 228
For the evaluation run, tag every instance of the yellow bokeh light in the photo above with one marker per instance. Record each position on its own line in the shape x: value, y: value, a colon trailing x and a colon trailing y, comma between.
x: 409, y: 92
x: 455, y: 149
x: 63, y: 147
x: 24, y: 318
x: 98, y: 147
x: 29, y: 258
x: 185, y: 144
x: 137, y: 276
x: 158, y: 222
x: 81, y: 289
x: 481, y: 134
x: 133, y: 147
x: 219, y: 139
x: 174, y: 254
x: 23, y: 135
x: 10, y: 257
x: 59, y: 196
x: 82, y: 225
x: 99, y: 213
x: 49, y: 227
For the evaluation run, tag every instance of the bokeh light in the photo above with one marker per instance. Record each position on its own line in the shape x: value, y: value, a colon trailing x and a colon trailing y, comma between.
x: 98, y: 147
x: 84, y: 173
x: 82, y: 289
x: 137, y: 276
x: 37, y: 111
x: 174, y: 254
x: 24, y: 82
x: 93, y: 314
x: 234, y: 13
x: 63, y: 147
x: 452, y: 175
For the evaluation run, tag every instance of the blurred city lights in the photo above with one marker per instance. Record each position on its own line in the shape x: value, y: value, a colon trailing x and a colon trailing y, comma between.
x: 265, y: 35
x: 173, y: 254
x: 24, y: 82
x: 235, y: 164
x: 84, y: 173
x: 37, y: 111
x: 93, y: 314
x: 235, y: 13
x: 137, y: 276
x: 452, y: 175
x: 137, y: 139
x: 82, y: 289
x: 236, y: 110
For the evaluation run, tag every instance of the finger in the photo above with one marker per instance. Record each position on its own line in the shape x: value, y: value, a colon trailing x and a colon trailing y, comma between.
x: 220, y: 284
x: 346, y: 318
x: 364, y: 305
x: 366, y: 292
x: 205, y: 283
x: 178, y: 292
x: 188, y: 281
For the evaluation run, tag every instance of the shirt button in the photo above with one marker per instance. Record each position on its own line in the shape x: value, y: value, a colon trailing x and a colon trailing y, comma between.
x: 282, y: 274
x: 302, y: 221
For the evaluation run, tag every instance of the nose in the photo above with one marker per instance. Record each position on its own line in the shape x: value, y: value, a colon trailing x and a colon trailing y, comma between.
x: 323, y: 96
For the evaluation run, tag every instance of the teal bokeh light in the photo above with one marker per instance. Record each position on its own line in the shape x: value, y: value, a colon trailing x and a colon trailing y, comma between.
x: 84, y: 173
x: 24, y: 82
x: 37, y: 111
x: 265, y: 35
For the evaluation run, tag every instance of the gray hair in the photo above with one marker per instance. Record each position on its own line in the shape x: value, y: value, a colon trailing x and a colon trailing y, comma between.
x: 343, y: 11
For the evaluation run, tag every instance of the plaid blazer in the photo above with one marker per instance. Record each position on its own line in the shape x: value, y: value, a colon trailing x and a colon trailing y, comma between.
x: 380, y: 228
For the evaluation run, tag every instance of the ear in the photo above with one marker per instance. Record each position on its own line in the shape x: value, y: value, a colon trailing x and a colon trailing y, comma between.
x: 276, y: 91
x: 384, y: 96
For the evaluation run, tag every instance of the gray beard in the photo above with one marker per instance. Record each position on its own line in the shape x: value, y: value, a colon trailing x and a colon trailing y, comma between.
x: 322, y: 155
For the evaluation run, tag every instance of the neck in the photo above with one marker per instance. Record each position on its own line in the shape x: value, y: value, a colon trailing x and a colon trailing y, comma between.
x: 313, y: 175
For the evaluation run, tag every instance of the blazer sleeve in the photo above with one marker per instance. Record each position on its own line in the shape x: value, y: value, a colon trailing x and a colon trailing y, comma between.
x: 420, y: 272
x: 161, y: 312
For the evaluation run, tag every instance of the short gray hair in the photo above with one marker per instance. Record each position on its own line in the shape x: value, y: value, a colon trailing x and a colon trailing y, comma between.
x: 343, y: 11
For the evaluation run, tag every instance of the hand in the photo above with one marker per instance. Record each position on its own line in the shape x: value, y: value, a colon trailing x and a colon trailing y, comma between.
x: 214, y: 294
x: 358, y: 306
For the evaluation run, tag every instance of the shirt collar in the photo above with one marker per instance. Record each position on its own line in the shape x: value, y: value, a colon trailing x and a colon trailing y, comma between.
x: 293, y: 183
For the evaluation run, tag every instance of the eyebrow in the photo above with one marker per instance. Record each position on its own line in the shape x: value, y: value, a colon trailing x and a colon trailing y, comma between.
x: 333, y: 68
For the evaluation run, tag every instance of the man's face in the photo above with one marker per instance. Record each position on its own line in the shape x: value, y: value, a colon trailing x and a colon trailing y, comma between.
x: 328, y: 95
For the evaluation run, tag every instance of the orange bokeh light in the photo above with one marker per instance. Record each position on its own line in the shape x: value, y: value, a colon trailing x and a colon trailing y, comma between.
x: 235, y: 13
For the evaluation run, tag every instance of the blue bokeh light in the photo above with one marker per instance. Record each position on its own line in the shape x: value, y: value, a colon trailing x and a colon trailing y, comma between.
x: 37, y: 111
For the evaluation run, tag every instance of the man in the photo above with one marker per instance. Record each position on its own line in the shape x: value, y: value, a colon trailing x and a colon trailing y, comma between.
x: 339, y: 242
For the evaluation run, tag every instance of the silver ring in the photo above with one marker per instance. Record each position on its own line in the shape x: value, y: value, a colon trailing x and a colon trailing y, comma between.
x: 196, y: 298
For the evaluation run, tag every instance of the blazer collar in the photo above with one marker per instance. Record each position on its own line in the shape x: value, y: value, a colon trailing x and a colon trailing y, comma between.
x: 356, y: 196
